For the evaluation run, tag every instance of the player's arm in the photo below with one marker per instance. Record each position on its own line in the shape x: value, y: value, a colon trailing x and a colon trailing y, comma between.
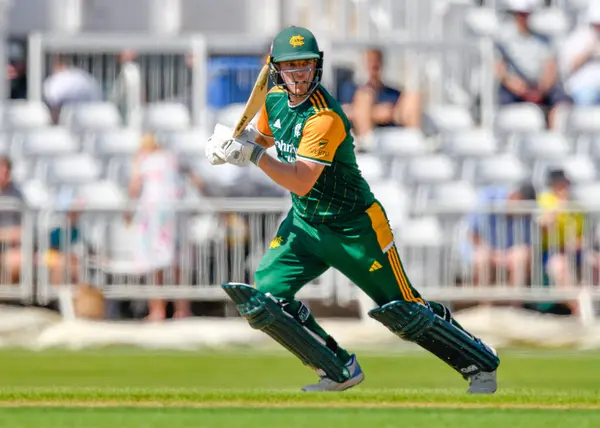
x: 322, y: 135
x: 265, y: 136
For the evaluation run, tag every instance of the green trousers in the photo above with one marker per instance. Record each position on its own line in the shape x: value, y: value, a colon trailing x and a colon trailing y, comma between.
x: 362, y: 249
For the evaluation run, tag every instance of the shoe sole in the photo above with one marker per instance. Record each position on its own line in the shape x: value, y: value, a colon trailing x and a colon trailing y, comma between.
x: 355, y: 381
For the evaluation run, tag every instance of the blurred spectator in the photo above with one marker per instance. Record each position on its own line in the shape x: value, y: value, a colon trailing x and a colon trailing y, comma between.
x: 561, y: 234
x: 61, y: 259
x: 126, y: 92
x: 502, y: 241
x: 17, y: 71
x: 581, y: 60
x: 527, y: 69
x: 10, y: 227
x: 155, y: 184
x: 68, y: 85
x: 375, y: 104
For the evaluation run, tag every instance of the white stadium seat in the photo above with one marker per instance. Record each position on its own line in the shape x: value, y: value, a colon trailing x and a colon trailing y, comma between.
x: 103, y: 193
x: 458, y: 196
x: 74, y: 169
x: 394, y: 199
x: 89, y: 117
x: 431, y: 169
x: 44, y: 142
x: 370, y: 166
x: 545, y: 145
x: 520, y: 118
x: 550, y: 22
x: 230, y: 114
x: 36, y: 194
x: 20, y: 114
x: 501, y: 169
x: 449, y: 118
x: 401, y: 142
x: 117, y: 142
x: 166, y: 116
x: 188, y: 142
x: 482, y: 22
x: 471, y: 143
x: 584, y: 120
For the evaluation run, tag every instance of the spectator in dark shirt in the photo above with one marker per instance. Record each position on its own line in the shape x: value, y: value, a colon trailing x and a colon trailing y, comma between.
x: 501, y: 240
x: 17, y: 72
x: 376, y: 104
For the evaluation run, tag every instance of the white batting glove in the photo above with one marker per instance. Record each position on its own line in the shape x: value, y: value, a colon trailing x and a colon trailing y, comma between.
x: 240, y: 152
x: 250, y: 133
x: 213, y: 151
x: 222, y: 148
x: 214, y: 158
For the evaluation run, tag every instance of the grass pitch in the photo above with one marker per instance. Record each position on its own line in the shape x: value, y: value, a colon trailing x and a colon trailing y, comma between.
x: 133, y: 388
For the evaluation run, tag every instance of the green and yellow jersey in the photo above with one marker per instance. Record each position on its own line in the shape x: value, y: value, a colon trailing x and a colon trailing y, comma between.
x: 317, y: 130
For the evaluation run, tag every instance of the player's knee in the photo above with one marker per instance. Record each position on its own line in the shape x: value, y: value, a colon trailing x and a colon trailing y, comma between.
x: 268, y: 283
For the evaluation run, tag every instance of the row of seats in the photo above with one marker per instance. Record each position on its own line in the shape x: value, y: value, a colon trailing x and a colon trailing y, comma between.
x: 167, y: 116
x: 75, y: 167
x: 98, y: 116
x: 519, y: 118
x: 405, y: 143
x: 91, y: 144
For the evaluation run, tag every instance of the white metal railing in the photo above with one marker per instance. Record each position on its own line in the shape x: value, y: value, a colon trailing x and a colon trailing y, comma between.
x: 17, y: 228
x: 166, y: 76
x: 224, y: 239
x: 430, y: 66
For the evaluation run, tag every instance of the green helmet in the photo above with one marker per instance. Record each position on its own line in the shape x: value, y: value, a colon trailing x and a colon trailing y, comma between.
x: 292, y: 44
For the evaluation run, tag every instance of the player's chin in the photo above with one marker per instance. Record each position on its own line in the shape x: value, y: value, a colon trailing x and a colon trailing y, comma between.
x: 301, y: 89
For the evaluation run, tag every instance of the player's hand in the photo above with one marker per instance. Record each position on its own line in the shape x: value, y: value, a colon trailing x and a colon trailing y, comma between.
x: 250, y: 133
x: 240, y: 152
x: 214, y: 154
x: 213, y: 151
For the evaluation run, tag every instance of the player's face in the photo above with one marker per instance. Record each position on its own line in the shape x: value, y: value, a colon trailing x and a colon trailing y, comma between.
x: 522, y: 19
x: 561, y: 189
x: 298, y: 75
x: 373, y: 60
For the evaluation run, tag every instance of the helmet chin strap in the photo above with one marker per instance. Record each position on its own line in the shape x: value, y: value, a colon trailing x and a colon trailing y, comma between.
x: 277, y: 77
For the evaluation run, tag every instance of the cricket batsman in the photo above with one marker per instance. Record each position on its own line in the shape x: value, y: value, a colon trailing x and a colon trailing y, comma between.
x: 335, y: 221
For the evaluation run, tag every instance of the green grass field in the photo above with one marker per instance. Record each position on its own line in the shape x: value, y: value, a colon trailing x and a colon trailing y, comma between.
x: 134, y: 388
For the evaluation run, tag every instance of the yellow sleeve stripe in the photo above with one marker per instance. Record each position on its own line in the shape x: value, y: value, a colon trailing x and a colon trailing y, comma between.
x: 322, y: 98
x: 312, y: 101
x: 318, y: 102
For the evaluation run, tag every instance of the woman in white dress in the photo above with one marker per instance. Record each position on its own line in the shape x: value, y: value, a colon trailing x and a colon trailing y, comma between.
x: 155, y: 183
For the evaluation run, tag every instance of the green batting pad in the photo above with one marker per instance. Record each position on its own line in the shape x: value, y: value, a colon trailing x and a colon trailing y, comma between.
x: 266, y: 314
x: 417, y: 323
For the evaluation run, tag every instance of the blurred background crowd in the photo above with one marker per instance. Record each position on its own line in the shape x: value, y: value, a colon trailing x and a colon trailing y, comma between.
x: 479, y: 132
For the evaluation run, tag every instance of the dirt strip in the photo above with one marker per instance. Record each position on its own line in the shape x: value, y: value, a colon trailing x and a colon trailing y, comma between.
x: 263, y: 405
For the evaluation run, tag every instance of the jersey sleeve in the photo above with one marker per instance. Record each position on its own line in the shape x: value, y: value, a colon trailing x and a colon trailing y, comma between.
x: 322, y: 135
x: 262, y: 124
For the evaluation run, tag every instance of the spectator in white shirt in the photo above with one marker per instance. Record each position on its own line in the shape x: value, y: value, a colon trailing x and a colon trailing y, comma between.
x: 68, y: 85
x: 581, y: 60
x: 126, y: 92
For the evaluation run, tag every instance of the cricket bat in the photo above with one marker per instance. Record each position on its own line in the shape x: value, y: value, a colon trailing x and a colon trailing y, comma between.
x: 255, y: 102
